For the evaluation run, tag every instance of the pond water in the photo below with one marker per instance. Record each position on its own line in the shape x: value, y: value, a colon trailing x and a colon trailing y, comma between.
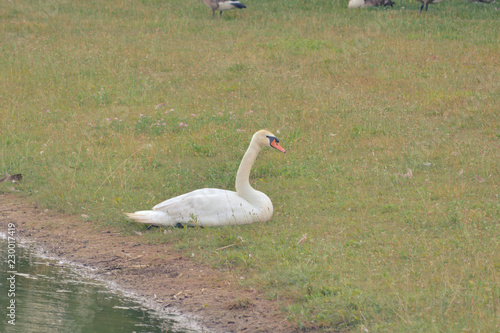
x: 50, y: 296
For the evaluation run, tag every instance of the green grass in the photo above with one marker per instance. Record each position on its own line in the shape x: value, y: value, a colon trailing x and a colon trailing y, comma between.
x: 357, y: 97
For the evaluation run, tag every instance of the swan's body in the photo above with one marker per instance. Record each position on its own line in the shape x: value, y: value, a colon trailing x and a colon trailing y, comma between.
x: 215, y: 207
x: 222, y: 5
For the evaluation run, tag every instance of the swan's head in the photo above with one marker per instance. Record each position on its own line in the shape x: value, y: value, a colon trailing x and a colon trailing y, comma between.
x: 265, y: 138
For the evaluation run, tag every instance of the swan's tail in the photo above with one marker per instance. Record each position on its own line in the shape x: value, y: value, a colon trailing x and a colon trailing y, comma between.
x: 151, y: 217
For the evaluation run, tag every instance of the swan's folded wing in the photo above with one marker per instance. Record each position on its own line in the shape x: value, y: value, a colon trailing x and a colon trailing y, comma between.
x: 209, y: 207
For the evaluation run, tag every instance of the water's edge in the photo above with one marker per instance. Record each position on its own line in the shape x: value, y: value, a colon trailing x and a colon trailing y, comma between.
x: 182, y: 321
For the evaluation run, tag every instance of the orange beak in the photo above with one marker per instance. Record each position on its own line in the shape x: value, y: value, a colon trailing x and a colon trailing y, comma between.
x: 276, y: 145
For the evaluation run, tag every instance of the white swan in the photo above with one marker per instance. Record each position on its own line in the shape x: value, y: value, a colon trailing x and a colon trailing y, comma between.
x: 215, y: 207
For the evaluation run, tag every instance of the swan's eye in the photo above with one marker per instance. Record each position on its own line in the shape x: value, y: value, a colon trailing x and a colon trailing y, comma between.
x: 272, y: 138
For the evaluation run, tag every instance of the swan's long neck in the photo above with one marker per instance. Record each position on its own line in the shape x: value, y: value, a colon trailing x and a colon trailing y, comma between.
x: 243, y: 187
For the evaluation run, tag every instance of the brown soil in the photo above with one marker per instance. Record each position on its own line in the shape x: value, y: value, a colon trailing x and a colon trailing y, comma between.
x: 160, y: 273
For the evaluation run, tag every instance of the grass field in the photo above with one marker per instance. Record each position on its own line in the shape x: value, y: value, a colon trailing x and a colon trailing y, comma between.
x: 113, y: 106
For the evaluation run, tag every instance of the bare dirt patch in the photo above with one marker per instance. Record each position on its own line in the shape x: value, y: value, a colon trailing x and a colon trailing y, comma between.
x: 157, y: 272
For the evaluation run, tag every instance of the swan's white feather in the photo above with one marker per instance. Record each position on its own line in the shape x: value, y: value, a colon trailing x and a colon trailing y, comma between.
x: 207, y: 207
x: 216, y: 207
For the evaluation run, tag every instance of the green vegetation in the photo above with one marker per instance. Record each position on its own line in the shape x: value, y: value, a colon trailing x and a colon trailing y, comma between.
x: 113, y: 106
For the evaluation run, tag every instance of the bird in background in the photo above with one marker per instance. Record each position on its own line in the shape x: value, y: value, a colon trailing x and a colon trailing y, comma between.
x: 369, y: 3
x: 427, y: 2
x: 222, y: 5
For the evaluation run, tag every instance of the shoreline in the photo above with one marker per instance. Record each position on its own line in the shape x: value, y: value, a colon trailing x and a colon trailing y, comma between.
x: 157, y: 274
x: 180, y: 321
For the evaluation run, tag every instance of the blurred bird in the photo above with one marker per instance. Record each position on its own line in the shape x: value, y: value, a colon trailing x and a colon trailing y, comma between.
x: 222, y: 5
x: 369, y: 3
x: 426, y: 3
x: 375, y: 3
